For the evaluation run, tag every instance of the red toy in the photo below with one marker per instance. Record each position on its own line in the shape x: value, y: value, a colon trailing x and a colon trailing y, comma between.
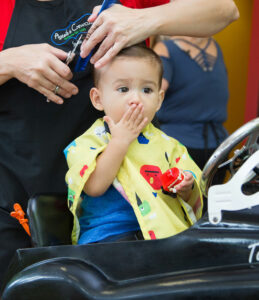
x: 171, y: 178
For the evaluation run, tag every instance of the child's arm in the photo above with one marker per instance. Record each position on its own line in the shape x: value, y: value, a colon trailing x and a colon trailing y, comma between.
x: 184, y: 188
x: 108, y: 162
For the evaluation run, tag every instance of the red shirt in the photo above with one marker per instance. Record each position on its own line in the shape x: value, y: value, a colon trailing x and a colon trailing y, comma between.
x: 7, y: 6
x: 143, y: 3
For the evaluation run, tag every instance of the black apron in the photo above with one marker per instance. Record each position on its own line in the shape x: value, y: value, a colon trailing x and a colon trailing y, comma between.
x: 34, y: 133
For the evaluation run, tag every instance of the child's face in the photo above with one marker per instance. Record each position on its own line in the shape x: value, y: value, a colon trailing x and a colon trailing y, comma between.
x: 127, y: 81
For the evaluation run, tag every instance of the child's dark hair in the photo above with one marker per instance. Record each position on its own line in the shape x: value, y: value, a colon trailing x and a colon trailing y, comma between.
x: 137, y: 51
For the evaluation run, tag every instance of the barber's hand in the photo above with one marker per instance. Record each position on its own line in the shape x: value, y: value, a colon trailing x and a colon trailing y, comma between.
x: 117, y: 27
x: 42, y: 68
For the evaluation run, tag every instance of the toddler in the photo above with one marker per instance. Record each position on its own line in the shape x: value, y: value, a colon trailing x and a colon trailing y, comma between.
x: 115, y: 167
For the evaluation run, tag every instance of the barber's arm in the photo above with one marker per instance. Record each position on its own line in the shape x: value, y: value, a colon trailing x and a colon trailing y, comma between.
x: 194, y: 17
x: 39, y: 66
x: 119, y: 27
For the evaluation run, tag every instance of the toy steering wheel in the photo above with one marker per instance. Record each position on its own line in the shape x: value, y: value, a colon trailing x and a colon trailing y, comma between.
x: 216, y: 161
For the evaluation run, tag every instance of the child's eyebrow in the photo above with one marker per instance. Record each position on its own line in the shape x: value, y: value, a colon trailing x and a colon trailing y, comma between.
x: 122, y: 80
x: 128, y: 80
x: 149, y: 82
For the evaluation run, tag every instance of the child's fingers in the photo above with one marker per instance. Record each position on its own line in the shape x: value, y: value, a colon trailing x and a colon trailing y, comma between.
x: 127, y: 115
x: 143, y: 124
x: 188, y: 179
x: 137, y: 115
x: 182, y: 188
x: 132, y: 114
x: 140, y: 116
x: 109, y: 121
x: 186, y: 184
x: 178, y: 187
x: 134, y: 117
x: 188, y: 175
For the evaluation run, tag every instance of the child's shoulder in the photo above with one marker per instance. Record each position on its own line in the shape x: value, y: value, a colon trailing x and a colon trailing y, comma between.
x: 99, y: 123
x: 162, y: 136
x: 93, y: 137
x: 94, y: 129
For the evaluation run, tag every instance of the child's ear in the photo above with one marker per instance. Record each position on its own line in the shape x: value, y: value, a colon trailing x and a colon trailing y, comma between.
x: 96, y: 98
x: 161, y: 96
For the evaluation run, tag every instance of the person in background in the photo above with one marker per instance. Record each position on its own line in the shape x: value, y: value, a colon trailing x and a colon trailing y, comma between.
x: 35, y: 38
x: 117, y: 164
x: 195, y: 106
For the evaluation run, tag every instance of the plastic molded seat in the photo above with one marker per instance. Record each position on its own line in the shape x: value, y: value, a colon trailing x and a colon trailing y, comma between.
x: 50, y: 220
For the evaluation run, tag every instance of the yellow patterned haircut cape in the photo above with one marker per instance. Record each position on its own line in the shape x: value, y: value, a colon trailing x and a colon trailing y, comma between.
x: 151, y: 154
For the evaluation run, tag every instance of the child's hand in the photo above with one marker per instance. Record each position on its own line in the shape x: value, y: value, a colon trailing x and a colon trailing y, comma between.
x: 129, y: 126
x: 184, y: 188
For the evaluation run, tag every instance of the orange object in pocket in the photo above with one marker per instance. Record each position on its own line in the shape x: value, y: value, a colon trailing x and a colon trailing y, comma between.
x: 19, y: 214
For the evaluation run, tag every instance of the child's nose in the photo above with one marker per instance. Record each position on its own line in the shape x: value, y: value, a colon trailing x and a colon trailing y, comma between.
x: 135, y: 99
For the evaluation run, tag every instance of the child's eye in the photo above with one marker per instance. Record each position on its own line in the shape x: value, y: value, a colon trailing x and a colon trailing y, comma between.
x: 123, y: 89
x: 147, y: 90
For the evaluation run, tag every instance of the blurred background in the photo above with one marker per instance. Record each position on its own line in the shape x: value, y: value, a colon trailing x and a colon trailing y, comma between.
x: 240, y: 45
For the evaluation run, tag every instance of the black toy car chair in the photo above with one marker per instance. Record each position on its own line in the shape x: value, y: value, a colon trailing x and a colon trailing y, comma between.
x: 50, y: 220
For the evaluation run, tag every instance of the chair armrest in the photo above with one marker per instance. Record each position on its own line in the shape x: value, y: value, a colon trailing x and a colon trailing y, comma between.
x: 50, y: 220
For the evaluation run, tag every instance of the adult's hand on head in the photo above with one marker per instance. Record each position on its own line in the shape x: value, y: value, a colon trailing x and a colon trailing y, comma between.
x: 119, y: 27
x: 42, y: 68
x: 115, y: 28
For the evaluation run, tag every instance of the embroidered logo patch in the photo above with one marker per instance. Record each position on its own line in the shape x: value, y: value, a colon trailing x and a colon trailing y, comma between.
x: 72, y: 31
